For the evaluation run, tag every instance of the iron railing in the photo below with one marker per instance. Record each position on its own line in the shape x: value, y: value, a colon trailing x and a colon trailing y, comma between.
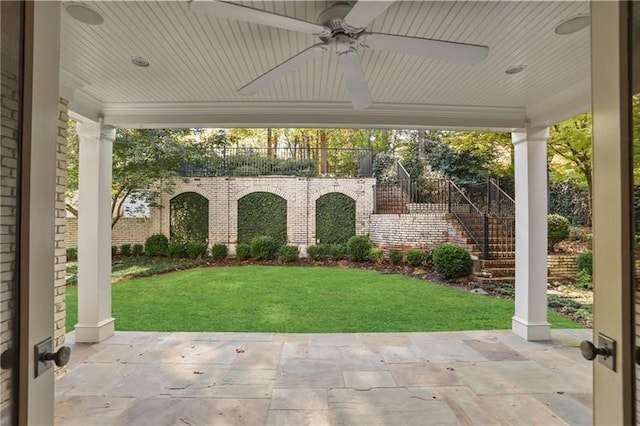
x: 415, y: 196
x: 487, y: 214
x: 298, y: 161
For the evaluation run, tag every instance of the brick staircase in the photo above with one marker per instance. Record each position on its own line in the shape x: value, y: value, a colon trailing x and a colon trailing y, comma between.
x: 501, y: 266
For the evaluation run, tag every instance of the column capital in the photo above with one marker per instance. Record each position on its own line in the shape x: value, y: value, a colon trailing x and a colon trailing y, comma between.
x: 95, y: 130
x: 530, y: 134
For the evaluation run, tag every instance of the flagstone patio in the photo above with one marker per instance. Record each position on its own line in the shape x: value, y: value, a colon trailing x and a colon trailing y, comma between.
x: 471, y: 377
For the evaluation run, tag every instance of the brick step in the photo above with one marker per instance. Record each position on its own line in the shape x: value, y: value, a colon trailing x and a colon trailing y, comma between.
x: 505, y: 280
x: 499, y: 263
x: 500, y: 272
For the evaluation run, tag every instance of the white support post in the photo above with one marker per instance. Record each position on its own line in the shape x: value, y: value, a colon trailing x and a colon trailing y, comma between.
x: 530, y: 157
x: 95, y: 323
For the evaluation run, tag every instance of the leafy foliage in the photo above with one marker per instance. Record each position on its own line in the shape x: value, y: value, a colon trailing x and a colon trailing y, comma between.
x: 585, y: 262
x: 156, y: 245
x: 177, y: 250
x: 262, y: 213
x: 571, y: 200
x: 243, y: 252
x: 195, y: 250
x: 415, y: 258
x: 338, y: 251
x: 114, y: 250
x: 263, y: 247
x: 452, y: 261
x: 335, y: 218
x: 72, y: 254
x: 359, y: 247
x: 189, y: 214
x: 125, y: 249
x: 137, y: 249
x: 219, y: 252
x: 557, y: 230
x: 376, y: 255
x: 395, y: 257
x: 318, y: 252
x: 288, y: 253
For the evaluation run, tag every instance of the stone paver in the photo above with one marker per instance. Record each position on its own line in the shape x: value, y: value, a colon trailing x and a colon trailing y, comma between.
x: 447, y: 378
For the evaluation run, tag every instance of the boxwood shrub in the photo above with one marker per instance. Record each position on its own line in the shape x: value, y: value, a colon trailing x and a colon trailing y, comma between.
x: 125, y: 249
x: 415, y: 258
x: 137, y: 249
x: 195, y: 250
x: 156, y: 245
x: 452, y: 261
x: 318, y: 252
x: 376, y: 255
x: 585, y: 262
x: 219, y: 252
x: 72, y: 254
x: 395, y: 257
x: 263, y: 247
x: 177, y: 250
x: 359, y: 247
x: 557, y: 230
x: 243, y: 252
x: 338, y: 251
x: 288, y: 253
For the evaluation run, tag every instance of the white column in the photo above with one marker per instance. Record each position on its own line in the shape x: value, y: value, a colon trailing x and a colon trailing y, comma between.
x: 530, y: 157
x: 95, y: 323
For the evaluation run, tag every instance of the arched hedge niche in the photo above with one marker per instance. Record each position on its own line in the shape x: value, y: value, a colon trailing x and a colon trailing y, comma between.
x: 335, y: 218
x: 262, y: 213
x: 189, y: 218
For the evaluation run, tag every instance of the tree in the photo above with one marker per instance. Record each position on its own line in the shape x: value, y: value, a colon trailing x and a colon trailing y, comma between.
x: 146, y: 163
x: 570, y: 147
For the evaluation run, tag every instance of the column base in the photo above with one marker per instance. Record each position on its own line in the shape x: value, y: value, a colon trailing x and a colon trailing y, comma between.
x: 531, y: 331
x: 94, y: 333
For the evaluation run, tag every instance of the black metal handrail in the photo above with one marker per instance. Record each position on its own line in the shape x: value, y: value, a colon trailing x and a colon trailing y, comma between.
x: 288, y: 161
x: 473, y: 220
x: 413, y: 196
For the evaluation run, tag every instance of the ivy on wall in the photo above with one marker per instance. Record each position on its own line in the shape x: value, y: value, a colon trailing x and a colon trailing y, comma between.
x: 189, y: 216
x: 262, y: 213
x: 335, y: 218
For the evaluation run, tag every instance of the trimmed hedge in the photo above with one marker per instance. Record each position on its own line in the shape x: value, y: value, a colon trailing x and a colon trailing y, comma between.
x: 585, y: 262
x: 196, y: 250
x: 452, y: 261
x: 416, y: 258
x: 338, y: 251
x: 156, y: 245
x: 557, y: 230
x: 395, y: 257
x: 125, y: 249
x: 243, y: 252
x: 262, y: 213
x: 263, y: 247
x: 359, y: 247
x: 177, y: 250
x: 335, y: 218
x: 288, y: 253
x: 189, y: 213
x: 72, y: 254
x: 137, y: 249
x: 219, y: 252
x: 318, y: 252
x: 376, y: 255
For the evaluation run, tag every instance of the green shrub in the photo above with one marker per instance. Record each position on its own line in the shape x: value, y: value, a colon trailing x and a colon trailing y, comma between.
x: 557, y: 230
x: 156, y: 245
x: 585, y: 262
x: 263, y: 247
x: 415, y: 258
x: 395, y: 257
x: 177, y: 250
x: 288, y: 253
x: 376, y: 255
x: 359, y: 247
x: 219, y: 252
x: 243, y: 252
x: 125, y: 249
x: 338, y: 251
x: 335, y: 218
x: 72, y: 254
x: 584, y: 279
x: 195, y: 250
x: 452, y: 261
x: 114, y: 250
x: 317, y: 252
x: 137, y: 249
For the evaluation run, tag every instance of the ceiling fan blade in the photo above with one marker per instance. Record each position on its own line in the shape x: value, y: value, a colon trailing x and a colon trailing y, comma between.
x: 355, y: 79
x: 285, y: 67
x: 364, y: 12
x: 222, y: 9
x: 447, y: 50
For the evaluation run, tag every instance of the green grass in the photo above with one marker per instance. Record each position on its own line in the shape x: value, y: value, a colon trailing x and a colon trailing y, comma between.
x: 299, y: 300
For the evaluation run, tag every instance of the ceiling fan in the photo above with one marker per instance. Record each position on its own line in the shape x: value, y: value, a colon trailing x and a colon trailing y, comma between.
x: 342, y: 26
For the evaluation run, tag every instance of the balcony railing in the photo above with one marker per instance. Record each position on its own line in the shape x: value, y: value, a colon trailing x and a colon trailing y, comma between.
x: 310, y: 162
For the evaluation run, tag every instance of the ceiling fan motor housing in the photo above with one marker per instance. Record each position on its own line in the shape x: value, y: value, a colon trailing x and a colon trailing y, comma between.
x: 333, y: 18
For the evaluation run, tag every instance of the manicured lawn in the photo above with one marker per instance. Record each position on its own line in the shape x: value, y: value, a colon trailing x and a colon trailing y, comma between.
x: 299, y: 300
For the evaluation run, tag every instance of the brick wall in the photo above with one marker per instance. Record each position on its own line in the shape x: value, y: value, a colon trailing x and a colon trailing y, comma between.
x: 562, y: 265
x: 403, y: 231
x: 9, y: 156
x: 300, y: 193
x: 60, y: 226
x: 128, y: 230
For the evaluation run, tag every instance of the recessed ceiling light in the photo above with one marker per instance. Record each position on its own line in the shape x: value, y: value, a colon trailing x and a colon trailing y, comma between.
x: 83, y: 13
x: 515, y: 69
x: 139, y: 61
x: 572, y: 25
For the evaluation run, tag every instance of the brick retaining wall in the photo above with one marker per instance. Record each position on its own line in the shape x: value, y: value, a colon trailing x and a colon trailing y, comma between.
x: 128, y: 230
x: 403, y: 231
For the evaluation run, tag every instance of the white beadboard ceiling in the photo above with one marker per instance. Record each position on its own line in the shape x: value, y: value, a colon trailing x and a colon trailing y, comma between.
x: 199, y: 62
